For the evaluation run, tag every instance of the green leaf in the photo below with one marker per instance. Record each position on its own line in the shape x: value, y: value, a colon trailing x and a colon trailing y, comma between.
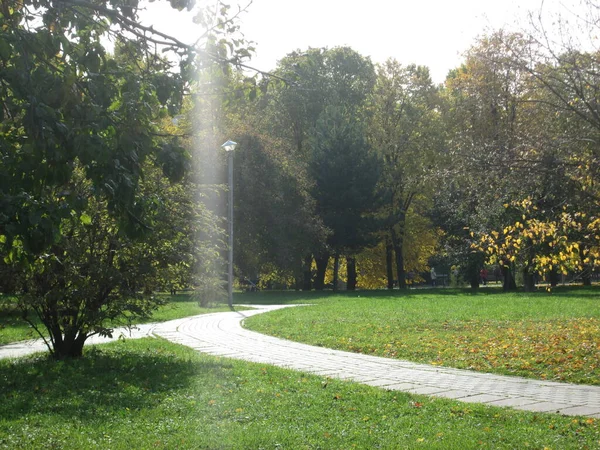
x: 5, y: 50
x: 85, y: 219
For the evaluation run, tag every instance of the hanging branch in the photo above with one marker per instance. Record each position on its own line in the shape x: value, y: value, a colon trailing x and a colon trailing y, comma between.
x: 151, y: 35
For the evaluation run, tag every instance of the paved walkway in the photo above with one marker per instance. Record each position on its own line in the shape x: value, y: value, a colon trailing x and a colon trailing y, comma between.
x: 221, y: 334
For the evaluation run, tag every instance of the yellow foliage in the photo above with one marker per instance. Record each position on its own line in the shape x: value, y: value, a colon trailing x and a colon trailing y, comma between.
x: 552, y: 242
x: 420, y: 243
x: 371, y: 267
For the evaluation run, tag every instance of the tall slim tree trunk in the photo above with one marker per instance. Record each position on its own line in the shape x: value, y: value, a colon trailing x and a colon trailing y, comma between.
x: 351, y: 268
x: 586, y: 275
x: 475, y: 262
x: 398, y: 244
x: 322, y: 261
x: 528, y: 274
x: 307, y: 273
x: 336, y: 271
x: 389, y: 264
x: 528, y: 280
x: 474, y: 279
x: 400, y: 267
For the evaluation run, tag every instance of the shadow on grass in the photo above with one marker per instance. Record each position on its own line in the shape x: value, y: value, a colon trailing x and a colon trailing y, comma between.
x: 285, y: 297
x: 279, y: 297
x: 107, y: 381
x: 178, y: 298
x: 291, y: 297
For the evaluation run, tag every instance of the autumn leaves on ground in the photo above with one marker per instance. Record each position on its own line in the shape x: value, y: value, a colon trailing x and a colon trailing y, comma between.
x: 544, y: 336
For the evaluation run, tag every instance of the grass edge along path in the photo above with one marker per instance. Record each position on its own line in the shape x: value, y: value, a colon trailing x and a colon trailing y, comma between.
x: 536, y: 336
x: 150, y: 393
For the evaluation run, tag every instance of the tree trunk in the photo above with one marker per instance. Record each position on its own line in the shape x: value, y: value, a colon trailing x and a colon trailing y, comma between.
x: 66, y: 347
x: 398, y: 244
x: 322, y: 262
x: 389, y: 264
x: 474, y: 265
x: 307, y: 272
x: 586, y: 275
x: 553, y: 278
x: 298, y: 283
x: 336, y: 271
x: 474, y: 279
x: 528, y: 273
x: 528, y: 280
x: 401, y: 273
x: 351, y: 267
x: 509, y: 283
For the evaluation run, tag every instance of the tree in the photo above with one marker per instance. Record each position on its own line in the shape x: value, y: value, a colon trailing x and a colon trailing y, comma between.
x: 345, y: 174
x: 405, y: 131
x: 547, y: 245
x: 489, y: 134
x: 289, y: 109
x: 86, y: 279
x: 275, y: 221
x: 179, y: 257
x: 551, y: 212
x: 78, y: 129
x: 316, y: 79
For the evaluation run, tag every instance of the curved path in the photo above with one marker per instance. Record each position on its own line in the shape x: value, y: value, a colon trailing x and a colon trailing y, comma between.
x: 221, y: 334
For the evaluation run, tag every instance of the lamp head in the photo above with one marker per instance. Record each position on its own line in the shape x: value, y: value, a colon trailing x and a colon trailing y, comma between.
x: 229, y: 146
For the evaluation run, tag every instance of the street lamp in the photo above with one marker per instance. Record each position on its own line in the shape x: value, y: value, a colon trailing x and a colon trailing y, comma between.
x: 229, y: 147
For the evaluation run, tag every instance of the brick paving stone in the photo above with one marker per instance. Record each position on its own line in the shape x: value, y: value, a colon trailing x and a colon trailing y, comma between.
x: 345, y: 376
x: 364, y: 379
x: 580, y: 411
x: 382, y: 382
x: 222, y: 334
x: 426, y: 390
x: 514, y: 402
x: 545, y: 407
x: 405, y: 387
x: 325, y: 373
x: 481, y: 398
x: 454, y: 394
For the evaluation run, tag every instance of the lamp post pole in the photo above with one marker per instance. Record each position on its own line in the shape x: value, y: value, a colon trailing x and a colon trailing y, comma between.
x: 229, y: 147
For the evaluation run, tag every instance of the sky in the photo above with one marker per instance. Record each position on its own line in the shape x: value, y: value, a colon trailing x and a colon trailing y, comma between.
x: 435, y: 33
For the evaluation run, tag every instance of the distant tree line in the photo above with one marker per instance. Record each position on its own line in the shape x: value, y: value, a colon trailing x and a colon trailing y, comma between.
x: 497, y: 166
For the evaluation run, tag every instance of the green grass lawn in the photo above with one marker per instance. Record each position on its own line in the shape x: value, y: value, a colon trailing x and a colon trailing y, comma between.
x: 545, y: 336
x: 151, y: 394
x: 13, y: 328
